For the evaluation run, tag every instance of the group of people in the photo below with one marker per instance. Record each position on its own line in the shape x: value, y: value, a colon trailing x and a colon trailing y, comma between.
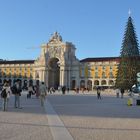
x: 7, y: 91
x: 119, y: 91
x: 16, y: 90
x: 39, y: 91
x: 60, y: 88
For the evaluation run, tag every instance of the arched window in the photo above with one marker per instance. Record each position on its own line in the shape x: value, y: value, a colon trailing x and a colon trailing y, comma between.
x: 111, y: 82
x: 103, y: 82
x: 37, y: 75
x: 96, y: 82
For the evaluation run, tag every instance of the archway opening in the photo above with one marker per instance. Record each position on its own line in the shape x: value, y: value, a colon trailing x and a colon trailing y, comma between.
x: 54, y: 73
x: 96, y: 82
x: 103, y: 82
x: 111, y: 83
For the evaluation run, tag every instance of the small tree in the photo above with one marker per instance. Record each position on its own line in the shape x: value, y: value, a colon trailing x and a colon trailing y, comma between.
x: 129, y: 56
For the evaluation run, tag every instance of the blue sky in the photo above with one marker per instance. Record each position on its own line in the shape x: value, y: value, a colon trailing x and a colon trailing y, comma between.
x: 95, y: 27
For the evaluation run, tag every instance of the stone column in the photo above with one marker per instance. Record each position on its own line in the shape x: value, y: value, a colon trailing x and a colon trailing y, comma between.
x: 46, y: 77
x: 42, y: 76
x: 92, y: 84
x: 64, y: 77
x: 69, y: 78
x: 61, y: 76
x: 86, y: 82
x: 78, y: 77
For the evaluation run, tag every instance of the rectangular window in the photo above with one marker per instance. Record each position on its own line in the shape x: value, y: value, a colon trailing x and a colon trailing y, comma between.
x: 96, y: 74
x: 111, y: 75
x: 103, y: 67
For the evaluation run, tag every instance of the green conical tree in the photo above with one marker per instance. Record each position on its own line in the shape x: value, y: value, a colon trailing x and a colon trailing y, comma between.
x: 129, y: 56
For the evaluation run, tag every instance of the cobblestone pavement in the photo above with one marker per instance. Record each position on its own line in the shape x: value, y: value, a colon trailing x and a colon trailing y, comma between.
x: 28, y: 123
x: 88, y: 118
x: 83, y: 115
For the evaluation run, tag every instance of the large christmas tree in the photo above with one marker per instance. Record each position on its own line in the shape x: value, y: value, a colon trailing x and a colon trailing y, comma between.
x: 129, y: 58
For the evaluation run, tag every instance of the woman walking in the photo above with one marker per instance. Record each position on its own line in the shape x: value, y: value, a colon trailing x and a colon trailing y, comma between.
x: 98, y: 93
x: 43, y: 93
x: 5, y: 94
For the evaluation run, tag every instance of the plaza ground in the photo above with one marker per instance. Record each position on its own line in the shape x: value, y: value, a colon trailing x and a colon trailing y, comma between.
x: 82, y: 116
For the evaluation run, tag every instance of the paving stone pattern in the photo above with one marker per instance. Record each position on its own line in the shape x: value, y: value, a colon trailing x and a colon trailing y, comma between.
x: 88, y: 118
x: 28, y: 123
x: 83, y: 115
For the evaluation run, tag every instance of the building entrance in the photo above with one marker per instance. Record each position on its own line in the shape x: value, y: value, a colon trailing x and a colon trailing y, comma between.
x: 53, y: 73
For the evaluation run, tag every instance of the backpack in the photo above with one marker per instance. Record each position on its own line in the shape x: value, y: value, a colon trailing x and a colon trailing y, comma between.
x: 3, y: 93
x: 14, y: 89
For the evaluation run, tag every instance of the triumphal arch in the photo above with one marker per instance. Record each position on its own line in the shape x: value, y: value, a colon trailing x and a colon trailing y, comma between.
x: 57, y: 64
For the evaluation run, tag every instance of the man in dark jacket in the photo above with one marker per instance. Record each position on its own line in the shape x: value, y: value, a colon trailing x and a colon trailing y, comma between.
x: 122, y: 92
x: 17, y: 93
x: 98, y: 93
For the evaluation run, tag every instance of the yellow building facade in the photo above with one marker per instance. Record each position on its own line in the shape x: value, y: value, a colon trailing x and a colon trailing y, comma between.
x: 57, y: 65
x: 98, y: 72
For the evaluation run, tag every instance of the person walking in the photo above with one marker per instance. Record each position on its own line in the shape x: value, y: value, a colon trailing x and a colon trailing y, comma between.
x: 5, y: 94
x: 98, y: 93
x: 9, y: 92
x: 63, y: 89
x: 17, y: 93
x: 30, y: 91
x: 37, y: 91
x: 68, y: 89
x: 43, y: 93
x: 117, y: 93
x: 122, y: 92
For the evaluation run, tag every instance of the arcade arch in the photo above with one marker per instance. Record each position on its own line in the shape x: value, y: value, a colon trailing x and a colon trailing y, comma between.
x: 103, y: 82
x: 111, y: 83
x: 96, y: 82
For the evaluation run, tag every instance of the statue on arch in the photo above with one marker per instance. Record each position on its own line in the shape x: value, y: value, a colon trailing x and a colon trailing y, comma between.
x: 55, y: 37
